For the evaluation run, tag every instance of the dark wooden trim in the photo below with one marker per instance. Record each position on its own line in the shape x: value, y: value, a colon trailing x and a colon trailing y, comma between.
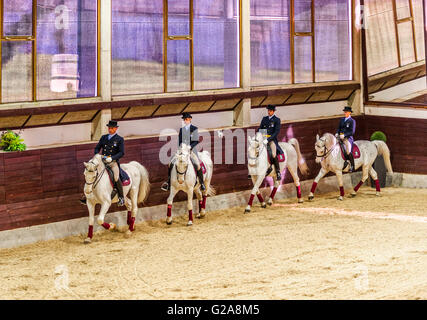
x: 50, y: 125
x: 395, y: 104
x: 243, y: 94
x: 398, y: 73
x: 62, y: 118
x: 364, y: 56
x: 124, y: 114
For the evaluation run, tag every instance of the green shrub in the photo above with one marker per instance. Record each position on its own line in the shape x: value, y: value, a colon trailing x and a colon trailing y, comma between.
x: 11, y: 141
x: 378, y: 135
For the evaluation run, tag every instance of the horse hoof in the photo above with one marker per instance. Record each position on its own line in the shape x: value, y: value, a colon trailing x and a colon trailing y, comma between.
x: 87, y: 240
x: 270, y: 202
x: 340, y: 198
x: 378, y: 194
x: 247, y: 210
x: 189, y: 223
x: 128, y: 234
x: 112, y: 227
x: 310, y: 198
x: 263, y: 205
x: 352, y: 195
x: 300, y: 200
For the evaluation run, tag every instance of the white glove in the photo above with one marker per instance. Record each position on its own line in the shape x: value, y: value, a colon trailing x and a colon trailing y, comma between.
x: 265, y: 141
x: 108, y: 159
x: 341, y: 136
x: 336, y: 135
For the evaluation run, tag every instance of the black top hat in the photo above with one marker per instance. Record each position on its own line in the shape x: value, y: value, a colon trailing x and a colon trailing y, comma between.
x: 112, y: 124
x: 347, y: 108
x: 271, y: 107
x: 186, y: 115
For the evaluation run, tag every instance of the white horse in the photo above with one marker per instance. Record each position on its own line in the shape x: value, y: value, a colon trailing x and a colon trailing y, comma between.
x: 258, y: 166
x: 98, y: 189
x: 184, y: 178
x: 328, y: 154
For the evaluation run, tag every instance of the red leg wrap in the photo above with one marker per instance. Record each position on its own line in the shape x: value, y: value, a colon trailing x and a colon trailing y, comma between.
x: 299, y: 192
x: 313, y: 187
x: 377, y: 185
x: 90, y: 232
x: 204, y: 202
x: 106, y: 225
x: 260, y: 198
x: 273, y: 193
x: 358, y: 186
x: 129, y: 216
x: 132, y: 224
x: 251, y: 199
x: 342, y: 191
x: 169, y: 210
x: 190, y: 215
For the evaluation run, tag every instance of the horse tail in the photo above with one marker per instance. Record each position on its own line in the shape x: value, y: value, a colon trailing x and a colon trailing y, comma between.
x: 302, y: 165
x: 144, y: 184
x: 384, y: 151
x: 208, y: 163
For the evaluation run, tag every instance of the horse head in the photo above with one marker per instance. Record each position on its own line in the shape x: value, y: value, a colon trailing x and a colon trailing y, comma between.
x: 91, y: 169
x: 323, y: 145
x: 253, y: 150
x: 182, y: 161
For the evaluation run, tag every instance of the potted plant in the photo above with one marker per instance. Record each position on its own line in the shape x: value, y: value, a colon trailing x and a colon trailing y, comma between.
x: 11, y: 141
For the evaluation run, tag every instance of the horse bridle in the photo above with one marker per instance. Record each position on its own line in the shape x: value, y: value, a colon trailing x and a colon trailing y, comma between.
x: 326, y: 152
x: 96, y: 180
x: 181, y: 173
x: 259, y: 152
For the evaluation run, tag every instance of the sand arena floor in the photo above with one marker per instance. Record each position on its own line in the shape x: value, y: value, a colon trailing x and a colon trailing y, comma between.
x: 363, y: 248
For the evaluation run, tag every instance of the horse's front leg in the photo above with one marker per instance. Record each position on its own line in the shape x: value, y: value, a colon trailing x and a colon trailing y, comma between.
x: 294, y: 173
x: 319, y: 176
x: 172, y: 194
x: 104, y: 208
x: 340, y: 183
x: 257, y: 180
x: 190, y: 205
x: 91, y: 208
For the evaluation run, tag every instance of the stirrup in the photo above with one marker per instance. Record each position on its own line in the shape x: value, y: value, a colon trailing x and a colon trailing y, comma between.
x: 121, y: 202
x: 278, y: 176
x: 165, y: 187
x: 202, y: 186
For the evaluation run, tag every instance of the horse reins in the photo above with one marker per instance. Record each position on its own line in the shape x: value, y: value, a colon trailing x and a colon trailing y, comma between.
x: 96, y: 181
x: 325, y: 155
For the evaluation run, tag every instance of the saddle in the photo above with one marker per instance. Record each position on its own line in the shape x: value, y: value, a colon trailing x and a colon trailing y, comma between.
x: 123, y: 176
x: 355, y: 151
x: 280, y: 157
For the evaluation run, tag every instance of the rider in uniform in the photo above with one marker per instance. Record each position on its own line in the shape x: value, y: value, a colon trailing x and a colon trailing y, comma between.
x: 188, y: 134
x: 113, y: 148
x: 271, y: 125
x: 345, y: 132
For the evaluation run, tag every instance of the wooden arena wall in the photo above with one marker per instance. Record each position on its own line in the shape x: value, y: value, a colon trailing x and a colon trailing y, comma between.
x: 43, y: 186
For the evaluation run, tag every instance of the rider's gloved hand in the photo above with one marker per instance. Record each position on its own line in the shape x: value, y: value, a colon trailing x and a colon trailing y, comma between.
x: 336, y: 135
x: 341, y: 136
x: 108, y: 159
x: 265, y: 141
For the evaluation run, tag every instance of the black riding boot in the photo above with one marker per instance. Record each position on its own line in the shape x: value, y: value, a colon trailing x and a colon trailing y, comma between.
x: 200, y: 176
x: 277, y: 167
x: 351, y: 158
x: 167, y: 185
x: 120, y: 191
x: 83, y: 200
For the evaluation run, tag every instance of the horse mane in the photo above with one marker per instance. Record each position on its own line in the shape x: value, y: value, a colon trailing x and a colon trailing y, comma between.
x: 258, y: 136
x: 329, y: 139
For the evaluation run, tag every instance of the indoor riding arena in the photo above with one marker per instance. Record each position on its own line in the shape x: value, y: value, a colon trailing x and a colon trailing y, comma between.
x: 125, y: 78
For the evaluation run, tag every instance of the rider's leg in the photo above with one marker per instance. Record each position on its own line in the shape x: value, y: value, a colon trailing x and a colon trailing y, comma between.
x: 115, y: 168
x: 196, y: 162
x: 275, y: 160
x: 348, y: 148
x: 166, y: 186
x: 270, y: 154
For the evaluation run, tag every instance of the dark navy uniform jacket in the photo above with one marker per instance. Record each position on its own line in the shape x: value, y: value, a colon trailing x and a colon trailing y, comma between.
x: 115, y: 147
x: 348, y: 128
x: 273, y: 128
x: 191, y: 138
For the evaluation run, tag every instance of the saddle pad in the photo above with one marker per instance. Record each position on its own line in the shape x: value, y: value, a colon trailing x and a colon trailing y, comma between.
x: 281, y: 157
x: 355, y: 152
x: 124, y: 177
x: 202, y: 166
